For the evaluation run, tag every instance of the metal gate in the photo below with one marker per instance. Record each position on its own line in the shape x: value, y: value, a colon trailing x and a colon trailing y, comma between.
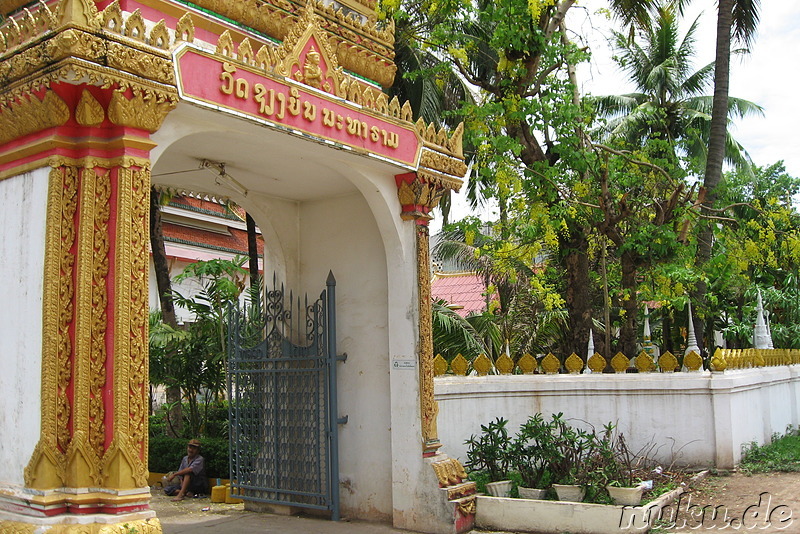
x: 282, y: 401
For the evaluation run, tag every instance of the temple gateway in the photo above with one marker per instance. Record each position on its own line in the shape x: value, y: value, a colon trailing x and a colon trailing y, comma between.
x: 277, y: 105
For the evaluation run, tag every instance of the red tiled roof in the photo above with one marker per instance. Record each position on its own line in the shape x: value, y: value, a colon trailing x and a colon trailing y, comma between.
x: 464, y: 289
x: 235, y: 241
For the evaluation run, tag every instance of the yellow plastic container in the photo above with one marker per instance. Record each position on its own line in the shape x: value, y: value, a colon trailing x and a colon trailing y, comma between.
x: 229, y: 499
x: 219, y: 493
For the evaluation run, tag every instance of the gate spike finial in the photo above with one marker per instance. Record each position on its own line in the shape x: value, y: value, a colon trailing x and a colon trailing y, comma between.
x: 331, y: 281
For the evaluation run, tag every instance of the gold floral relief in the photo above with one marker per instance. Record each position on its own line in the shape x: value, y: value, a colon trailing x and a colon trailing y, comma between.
x: 137, y: 385
x: 620, y: 363
x: 526, y: 363
x: 668, y: 362
x: 28, y: 115
x: 429, y: 407
x: 99, y: 323
x: 550, y: 364
x: 144, y: 111
x: 69, y: 206
x: 597, y: 363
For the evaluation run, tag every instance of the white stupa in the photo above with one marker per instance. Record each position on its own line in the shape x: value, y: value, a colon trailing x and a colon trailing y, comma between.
x: 761, y: 335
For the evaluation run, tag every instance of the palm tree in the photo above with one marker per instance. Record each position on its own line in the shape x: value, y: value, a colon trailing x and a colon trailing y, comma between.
x: 736, y: 19
x: 669, y: 103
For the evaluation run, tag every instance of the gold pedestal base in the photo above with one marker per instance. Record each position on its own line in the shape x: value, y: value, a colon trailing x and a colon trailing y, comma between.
x: 83, y: 524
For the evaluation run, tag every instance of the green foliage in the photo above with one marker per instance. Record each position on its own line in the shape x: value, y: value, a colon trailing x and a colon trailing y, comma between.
x: 782, y: 454
x: 193, y: 358
x: 545, y: 452
x: 488, y: 453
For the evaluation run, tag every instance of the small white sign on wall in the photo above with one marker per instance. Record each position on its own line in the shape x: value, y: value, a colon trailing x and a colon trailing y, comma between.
x: 399, y: 363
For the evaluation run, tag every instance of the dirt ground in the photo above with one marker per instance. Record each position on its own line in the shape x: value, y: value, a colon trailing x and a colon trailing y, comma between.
x: 764, y: 503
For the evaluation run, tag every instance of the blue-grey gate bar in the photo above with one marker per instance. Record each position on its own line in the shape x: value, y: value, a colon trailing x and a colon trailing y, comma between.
x: 282, y: 400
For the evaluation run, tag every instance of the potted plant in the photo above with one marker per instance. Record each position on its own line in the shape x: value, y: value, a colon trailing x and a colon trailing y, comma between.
x: 623, y: 485
x: 530, y: 452
x: 567, y: 466
x: 488, y: 458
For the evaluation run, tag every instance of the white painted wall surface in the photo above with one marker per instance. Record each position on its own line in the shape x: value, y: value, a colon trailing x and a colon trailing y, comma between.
x: 22, y: 223
x: 340, y: 235
x: 694, y: 419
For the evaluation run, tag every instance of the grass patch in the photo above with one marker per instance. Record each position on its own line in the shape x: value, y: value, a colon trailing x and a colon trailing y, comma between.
x: 783, y: 454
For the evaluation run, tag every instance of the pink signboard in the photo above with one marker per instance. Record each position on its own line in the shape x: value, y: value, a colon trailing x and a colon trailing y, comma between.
x: 213, y: 80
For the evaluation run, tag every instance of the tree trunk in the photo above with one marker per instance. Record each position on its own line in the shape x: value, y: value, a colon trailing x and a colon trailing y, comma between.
x: 628, y: 332
x: 575, y: 259
x: 716, y: 154
x: 252, y: 251
x: 164, y: 285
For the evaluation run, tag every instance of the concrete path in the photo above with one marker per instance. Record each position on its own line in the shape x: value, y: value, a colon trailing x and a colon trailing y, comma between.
x: 191, y: 516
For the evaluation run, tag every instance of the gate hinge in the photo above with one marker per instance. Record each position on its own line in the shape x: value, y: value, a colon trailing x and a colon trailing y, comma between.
x: 342, y: 357
x: 342, y: 420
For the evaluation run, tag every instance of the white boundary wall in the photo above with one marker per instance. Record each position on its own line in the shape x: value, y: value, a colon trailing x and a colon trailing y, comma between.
x: 22, y: 222
x: 699, y: 419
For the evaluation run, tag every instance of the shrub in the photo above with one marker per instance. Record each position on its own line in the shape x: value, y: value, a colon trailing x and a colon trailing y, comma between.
x: 165, y: 455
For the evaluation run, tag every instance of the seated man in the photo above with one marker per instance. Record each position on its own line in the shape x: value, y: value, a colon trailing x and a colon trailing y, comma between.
x: 191, y: 474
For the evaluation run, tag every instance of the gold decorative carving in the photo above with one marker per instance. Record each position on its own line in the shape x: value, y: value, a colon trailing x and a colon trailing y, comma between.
x: 482, y: 364
x: 79, y: 12
x: 69, y: 205
x: 99, y: 305
x: 89, y: 112
x: 596, y: 363
x: 668, y: 362
x: 718, y: 360
x: 459, y: 365
x: 693, y: 361
x: 439, y: 365
x: 428, y: 406
x: 359, y: 44
x: 461, y: 490
x: 47, y: 466
x: 112, y: 17
x: 644, y: 363
x: 134, y: 26
x: 419, y: 193
x: 527, y: 363
x: 439, y: 139
x: 620, y: 363
x: 573, y: 364
x: 83, y: 465
x: 504, y: 364
x: 137, y: 62
x: 28, y: 115
x: 159, y: 36
x: 441, y: 162
x: 144, y: 111
x: 184, y: 31
x: 449, y: 471
x: 141, y: 526
x: 468, y: 505
x: 550, y: 364
x: 121, y: 466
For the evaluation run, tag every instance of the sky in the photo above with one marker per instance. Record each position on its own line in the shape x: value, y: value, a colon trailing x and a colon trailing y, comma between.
x: 769, y: 76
